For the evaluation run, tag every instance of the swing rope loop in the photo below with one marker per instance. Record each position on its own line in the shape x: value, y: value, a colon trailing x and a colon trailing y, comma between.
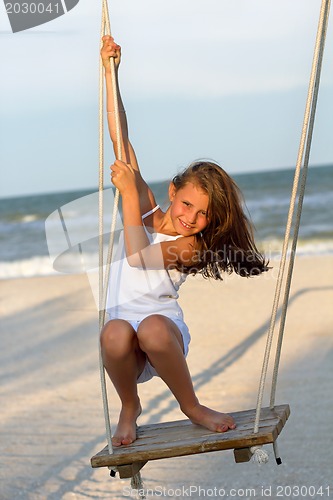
x: 104, y: 279
x: 321, y: 38
x: 305, y: 145
x: 306, y: 137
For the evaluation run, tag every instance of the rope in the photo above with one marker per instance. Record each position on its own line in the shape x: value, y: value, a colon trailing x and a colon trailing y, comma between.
x: 101, y: 315
x: 104, y: 280
x: 320, y: 42
x: 305, y: 143
x: 306, y: 136
x: 136, y: 481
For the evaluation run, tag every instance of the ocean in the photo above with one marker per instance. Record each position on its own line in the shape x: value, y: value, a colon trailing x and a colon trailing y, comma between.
x: 34, y: 227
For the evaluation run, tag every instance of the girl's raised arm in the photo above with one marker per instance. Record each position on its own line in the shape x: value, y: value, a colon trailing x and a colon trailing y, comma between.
x: 111, y: 49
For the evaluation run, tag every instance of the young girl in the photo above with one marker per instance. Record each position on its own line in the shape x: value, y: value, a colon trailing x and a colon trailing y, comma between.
x: 205, y: 231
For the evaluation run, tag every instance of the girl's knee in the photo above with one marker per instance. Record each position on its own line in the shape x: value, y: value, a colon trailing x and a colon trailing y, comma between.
x: 154, y: 334
x: 117, y: 336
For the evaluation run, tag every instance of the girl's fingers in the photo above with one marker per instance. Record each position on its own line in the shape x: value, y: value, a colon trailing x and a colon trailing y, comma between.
x: 119, y: 163
x: 119, y: 166
x: 108, y: 42
x: 111, y: 51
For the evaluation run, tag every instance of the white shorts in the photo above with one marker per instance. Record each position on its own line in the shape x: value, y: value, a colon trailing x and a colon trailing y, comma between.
x: 149, y: 371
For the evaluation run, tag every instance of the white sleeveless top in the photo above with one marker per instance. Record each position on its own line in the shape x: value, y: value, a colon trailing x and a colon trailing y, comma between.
x: 135, y: 293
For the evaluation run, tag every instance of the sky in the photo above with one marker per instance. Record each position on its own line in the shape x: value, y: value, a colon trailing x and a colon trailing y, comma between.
x: 216, y: 79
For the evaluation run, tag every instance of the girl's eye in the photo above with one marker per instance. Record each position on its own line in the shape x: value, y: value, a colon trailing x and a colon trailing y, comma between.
x: 186, y: 203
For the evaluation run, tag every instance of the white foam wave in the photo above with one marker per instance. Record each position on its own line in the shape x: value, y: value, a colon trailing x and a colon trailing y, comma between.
x: 43, y: 265
x: 305, y: 248
x: 29, y: 218
x: 27, y: 268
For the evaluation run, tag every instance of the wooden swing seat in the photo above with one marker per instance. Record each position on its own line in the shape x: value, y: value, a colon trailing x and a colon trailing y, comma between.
x: 179, y: 438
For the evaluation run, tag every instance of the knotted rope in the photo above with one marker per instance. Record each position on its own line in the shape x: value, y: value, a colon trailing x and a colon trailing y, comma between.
x: 136, y: 481
x: 305, y: 144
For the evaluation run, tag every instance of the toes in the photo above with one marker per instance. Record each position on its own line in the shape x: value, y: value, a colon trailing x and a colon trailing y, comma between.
x: 232, y: 424
x: 122, y: 440
x: 225, y: 427
x: 116, y: 441
x: 127, y: 441
x: 119, y: 441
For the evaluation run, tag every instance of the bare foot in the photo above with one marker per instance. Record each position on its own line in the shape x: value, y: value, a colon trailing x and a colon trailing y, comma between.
x: 211, y: 419
x: 126, y: 429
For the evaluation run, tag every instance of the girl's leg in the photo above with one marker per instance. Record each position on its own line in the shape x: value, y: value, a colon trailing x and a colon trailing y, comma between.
x: 123, y: 361
x: 160, y: 338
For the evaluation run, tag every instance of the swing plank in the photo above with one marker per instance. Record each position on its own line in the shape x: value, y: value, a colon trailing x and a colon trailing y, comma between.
x: 181, y: 437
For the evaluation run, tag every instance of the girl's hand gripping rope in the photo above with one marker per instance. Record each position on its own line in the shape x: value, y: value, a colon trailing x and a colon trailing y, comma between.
x: 123, y: 177
x: 108, y: 50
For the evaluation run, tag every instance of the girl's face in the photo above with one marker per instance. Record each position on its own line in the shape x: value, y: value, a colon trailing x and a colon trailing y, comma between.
x: 189, y: 209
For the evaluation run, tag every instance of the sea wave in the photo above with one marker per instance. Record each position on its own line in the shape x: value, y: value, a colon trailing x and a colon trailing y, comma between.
x: 27, y: 268
x: 66, y: 224
x: 43, y: 265
x: 311, y: 247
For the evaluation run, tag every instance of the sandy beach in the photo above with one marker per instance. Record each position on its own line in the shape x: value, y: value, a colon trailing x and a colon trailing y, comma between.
x: 51, y: 410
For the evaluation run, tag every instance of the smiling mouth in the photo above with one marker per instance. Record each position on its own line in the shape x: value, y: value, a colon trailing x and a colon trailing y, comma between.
x: 186, y: 226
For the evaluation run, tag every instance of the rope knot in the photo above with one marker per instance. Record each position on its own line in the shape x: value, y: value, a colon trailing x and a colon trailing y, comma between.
x: 259, y: 455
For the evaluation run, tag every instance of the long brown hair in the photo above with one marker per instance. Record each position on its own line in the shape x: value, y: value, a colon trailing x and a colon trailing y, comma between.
x: 227, y: 243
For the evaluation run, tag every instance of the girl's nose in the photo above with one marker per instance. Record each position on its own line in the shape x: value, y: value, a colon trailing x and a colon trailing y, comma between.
x: 192, y: 217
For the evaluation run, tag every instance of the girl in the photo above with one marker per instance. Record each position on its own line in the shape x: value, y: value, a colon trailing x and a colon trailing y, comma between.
x: 205, y: 231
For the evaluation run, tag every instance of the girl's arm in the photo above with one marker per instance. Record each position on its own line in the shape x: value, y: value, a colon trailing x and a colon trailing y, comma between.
x: 137, y: 198
x: 124, y: 177
x: 111, y: 49
x: 139, y: 252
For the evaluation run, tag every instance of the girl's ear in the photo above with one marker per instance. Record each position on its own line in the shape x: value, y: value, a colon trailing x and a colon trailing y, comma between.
x: 172, y: 191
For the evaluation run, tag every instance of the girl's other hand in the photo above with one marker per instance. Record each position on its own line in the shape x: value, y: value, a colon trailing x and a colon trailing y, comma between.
x: 123, y: 177
x: 110, y: 49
